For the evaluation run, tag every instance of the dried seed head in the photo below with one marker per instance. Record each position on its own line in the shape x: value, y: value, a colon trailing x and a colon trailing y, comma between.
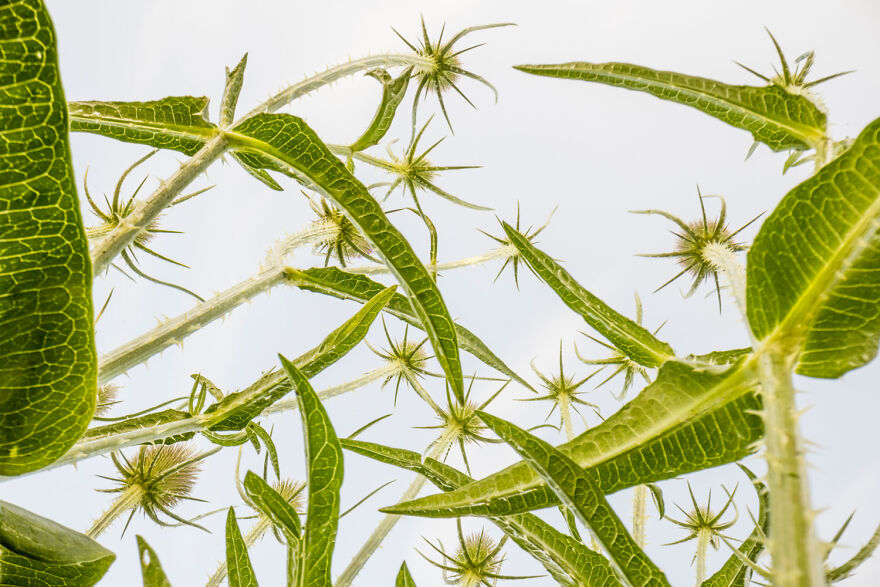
x: 106, y: 398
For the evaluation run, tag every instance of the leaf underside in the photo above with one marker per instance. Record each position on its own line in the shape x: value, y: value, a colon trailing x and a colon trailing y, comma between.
x: 238, y: 562
x: 48, y: 365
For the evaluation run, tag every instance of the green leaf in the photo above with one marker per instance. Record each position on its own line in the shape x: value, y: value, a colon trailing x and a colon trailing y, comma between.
x: 48, y: 366
x: 140, y: 423
x: 234, y: 81
x: 324, y: 458
x: 177, y: 122
x: 813, y: 287
x: 240, y: 408
x: 151, y: 568
x: 393, y: 92
x: 350, y: 286
x: 238, y: 563
x: 566, y: 559
x: 273, y: 506
x: 580, y: 493
x: 630, y: 338
x: 404, y: 579
x: 775, y: 117
x: 685, y: 421
x: 734, y: 572
x: 36, y: 552
x: 288, y: 140
x: 257, y: 170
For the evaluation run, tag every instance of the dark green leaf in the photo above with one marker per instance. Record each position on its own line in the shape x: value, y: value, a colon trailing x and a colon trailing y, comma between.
x: 404, y: 579
x: 813, y: 284
x: 393, y: 92
x: 324, y: 458
x: 238, y: 562
x: 37, y: 552
x: 779, y: 119
x: 48, y: 366
x: 273, y: 506
x: 579, y: 492
x: 630, y: 338
x: 151, y: 568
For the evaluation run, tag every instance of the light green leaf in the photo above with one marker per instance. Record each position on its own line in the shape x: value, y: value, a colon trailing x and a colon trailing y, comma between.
x: 240, y: 408
x: 324, y: 458
x: 579, y: 492
x: 257, y: 170
x: 813, y: 287
x: 151, y: 568
x: 48, y: 366
x: 288, y: 140
x: 734, y: 572
x: 273, y: 506
x: 393, y: 92
x: 566, y: 559
x: 140, y: 423
x: 779, y: 119
x: 404, y: 579
x: 685, y: 421
x: 234, y: 81
x: 238, y: 562
x: 350, y: 286
x: 177, y: 122
x: 37, y: 552
x: 630, y: 338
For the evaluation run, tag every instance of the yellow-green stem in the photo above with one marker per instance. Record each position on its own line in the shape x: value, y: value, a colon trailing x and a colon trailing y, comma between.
x: 126, y: 501
x: 639, y: 514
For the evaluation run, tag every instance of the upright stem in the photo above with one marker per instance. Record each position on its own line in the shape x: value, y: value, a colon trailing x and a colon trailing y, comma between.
x: 388, y: 522
x: 639, y: 514
x: 127, y: 500
x: 704, y: 535
x: 793, y: 546
x: 147, y: 210
x: 499, y: 253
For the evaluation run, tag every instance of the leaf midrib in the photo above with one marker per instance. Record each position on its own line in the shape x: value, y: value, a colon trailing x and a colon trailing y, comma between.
x: 179, y: 131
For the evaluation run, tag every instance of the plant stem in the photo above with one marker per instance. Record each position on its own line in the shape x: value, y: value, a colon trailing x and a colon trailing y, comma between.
x: 793, y: 546
x: 387, y: 523
x: 126, y: 501
x: 147, y: 210
x: 499, y: 253
x: 639, y: 514
x: 704, y: 535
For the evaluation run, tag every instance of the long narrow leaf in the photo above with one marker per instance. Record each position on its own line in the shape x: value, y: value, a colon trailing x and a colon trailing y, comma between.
x: 273, y: 505
x: 393, y: 92
x: 238, y: 562
x: 151, y: 568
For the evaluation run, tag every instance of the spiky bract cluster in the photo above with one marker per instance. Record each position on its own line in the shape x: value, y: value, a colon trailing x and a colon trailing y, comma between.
x: 702, y: 521
x: 563, y: 391
x: 342, y: 240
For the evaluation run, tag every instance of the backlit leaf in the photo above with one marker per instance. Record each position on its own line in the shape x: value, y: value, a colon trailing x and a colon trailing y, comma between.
x: 273, y: 505
x: 238, y: 562
x: 393, y: 92
x: 404, y: 579
x: 151, y: 568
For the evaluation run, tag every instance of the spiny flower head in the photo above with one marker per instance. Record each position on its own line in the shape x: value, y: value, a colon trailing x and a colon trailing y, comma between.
x: 409, y: 358
x: 514, y: 258
x: 339, y: 236
x: 477, y: 560
x: 442, y: 66
x: 106, y: 398
x: 691, y: 241
x: 158, y: 478
x: 702, y: 522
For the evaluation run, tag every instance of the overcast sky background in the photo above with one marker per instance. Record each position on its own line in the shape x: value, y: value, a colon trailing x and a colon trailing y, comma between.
x: 594, y: 151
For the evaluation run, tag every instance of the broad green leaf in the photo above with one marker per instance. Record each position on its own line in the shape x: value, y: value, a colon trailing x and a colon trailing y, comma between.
x: 775, y: 117
x: 140, y: 423
x: 566, y: 559
x: 630, y: 338
x: 324, y: 458
x: 813, y: 286
x: 579, y: 492
x: 37, y: 552
x: 177, y: 122
x: 734, y: 572
x: 288, y: 140
x: 685, y: 421
x: 234, y: 81
x: 350, y: 286
x: 393, y: 92
x: 151, y: 568
x: 238, y: 562
x: 48, y: 366
x: 242, y: 407
x: 404, y: 579
x: 273, y: 505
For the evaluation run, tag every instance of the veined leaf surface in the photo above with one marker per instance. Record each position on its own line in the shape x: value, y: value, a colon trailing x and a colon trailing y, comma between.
x: 686, y: 421
x: 238, y: 562
x: 273, y: 505
x: 324, y: 458
x: 630, y: 338
x: 404, y: 579
x: 151, y: 568
x: 37, y: 552
x: 393, y: 92
x: 775, y: 117
x: 580, y: 493
x: 813, y: 286
x: 48, y: 366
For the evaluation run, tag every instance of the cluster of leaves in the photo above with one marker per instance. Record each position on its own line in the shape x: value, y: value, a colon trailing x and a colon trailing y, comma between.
x: 809, y: 296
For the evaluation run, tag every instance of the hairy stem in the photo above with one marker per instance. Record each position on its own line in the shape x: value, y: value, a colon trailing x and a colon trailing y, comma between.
x: 147, y: 210
x: 704, y: 535
x: 499, y: 253
x: 639, y: 514
x: 126, y: 501
x: 387, y: 523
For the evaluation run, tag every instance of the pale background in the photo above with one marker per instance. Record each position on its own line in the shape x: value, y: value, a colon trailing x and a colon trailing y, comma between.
x: 595, y: 151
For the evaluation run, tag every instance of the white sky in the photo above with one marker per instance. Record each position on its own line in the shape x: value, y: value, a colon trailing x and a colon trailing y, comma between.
x: 596, y: 152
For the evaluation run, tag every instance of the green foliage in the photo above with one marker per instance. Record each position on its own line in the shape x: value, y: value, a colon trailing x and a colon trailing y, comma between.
x: 404, y: 579
x: 48, y: 365
x: 151, y: 568
x: 238, y: 562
